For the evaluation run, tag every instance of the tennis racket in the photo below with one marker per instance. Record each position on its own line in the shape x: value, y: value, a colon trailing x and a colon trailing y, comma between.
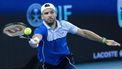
x: 15, y: 29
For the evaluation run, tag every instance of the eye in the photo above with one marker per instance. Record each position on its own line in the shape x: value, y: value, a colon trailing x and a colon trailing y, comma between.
x: 45, y: 13
x: 51, y: 12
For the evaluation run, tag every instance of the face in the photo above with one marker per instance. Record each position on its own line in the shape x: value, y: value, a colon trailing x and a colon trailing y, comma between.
x: 49, y: 16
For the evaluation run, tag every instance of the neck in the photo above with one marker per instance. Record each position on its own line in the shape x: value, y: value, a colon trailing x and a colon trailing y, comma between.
x: 52, y: 25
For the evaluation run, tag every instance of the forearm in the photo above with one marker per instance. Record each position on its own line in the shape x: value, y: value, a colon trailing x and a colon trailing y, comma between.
x: 93, y: 36
x: 90, y: 35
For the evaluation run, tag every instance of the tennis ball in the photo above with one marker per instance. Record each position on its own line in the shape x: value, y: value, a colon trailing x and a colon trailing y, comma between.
x: 27, y: 31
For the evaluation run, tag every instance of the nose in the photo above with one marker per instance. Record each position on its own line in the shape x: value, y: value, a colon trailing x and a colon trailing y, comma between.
x: 50, y: 15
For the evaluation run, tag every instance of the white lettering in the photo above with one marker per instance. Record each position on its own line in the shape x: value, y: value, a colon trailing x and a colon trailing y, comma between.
x: 109, y: 54
x: 120, y: 53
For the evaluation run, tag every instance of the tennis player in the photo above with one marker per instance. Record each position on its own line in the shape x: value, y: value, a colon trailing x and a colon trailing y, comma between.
x: 51, y: 43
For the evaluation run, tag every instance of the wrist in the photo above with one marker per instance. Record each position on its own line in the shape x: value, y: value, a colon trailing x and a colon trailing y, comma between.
x: 104, y: 40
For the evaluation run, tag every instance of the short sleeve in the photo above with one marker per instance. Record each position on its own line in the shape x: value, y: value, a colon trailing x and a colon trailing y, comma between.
x: 40, y: 30
x: 70, y: 27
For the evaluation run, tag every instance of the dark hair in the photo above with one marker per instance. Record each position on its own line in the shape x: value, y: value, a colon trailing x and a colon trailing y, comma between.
x: 47, y: 5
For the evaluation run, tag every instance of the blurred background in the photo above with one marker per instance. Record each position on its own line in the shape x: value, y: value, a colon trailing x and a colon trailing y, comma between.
x: 103, y: 17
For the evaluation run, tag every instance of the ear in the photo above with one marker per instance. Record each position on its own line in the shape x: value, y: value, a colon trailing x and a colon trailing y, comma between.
x: 56, y: 14
x: 42, y: 16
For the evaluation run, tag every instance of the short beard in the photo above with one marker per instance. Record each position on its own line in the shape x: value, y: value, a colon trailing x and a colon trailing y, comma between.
x: 50, y: 24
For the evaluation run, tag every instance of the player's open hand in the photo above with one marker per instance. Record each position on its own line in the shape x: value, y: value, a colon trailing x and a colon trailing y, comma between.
x: 112, y: 43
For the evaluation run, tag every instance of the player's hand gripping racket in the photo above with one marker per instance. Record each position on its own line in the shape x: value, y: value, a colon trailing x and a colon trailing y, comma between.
x: 17, y: 29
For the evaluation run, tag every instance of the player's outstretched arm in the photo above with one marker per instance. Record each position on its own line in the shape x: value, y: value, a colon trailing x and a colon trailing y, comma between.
x: 34, y: 41
x: 93, y: 36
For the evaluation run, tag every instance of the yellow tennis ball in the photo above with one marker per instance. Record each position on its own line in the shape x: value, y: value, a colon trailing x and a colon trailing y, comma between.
x: 27, y: 31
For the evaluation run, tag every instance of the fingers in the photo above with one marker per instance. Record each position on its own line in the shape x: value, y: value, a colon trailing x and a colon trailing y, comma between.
x: 33, y: 43
x: 114, y: 43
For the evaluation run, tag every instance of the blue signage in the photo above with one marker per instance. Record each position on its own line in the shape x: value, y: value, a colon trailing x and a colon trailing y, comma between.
x: 119, y: 10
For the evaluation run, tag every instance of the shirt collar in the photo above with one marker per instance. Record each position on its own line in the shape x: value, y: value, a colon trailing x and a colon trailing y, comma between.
x: 48, y: 27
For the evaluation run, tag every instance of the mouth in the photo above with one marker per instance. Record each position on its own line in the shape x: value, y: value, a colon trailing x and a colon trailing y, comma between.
x: 51, y: 19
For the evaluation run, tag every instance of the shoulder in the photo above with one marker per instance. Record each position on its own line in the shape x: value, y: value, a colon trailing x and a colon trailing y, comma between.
x: 41, y: 27
x: 64, y: 21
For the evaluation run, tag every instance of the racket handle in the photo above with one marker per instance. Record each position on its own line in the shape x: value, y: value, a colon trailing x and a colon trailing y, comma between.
x: 23, y: 37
